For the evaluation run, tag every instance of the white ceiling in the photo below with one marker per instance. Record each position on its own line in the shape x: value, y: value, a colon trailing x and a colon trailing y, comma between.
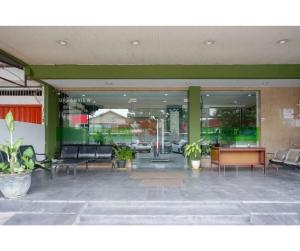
x: 91, y: 84
x: 158, y: 45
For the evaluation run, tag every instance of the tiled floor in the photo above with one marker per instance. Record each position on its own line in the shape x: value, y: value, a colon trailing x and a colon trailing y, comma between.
x: 150, y: 196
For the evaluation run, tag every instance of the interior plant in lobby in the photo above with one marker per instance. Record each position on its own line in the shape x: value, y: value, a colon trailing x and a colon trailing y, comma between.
x: 192, y: 152
x: 15, y: 171
x: 123, y: 155
x: 130, y: 155
x: 99, y: 138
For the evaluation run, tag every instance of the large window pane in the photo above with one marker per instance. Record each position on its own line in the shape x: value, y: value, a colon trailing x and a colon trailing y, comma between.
x: 230, y: 118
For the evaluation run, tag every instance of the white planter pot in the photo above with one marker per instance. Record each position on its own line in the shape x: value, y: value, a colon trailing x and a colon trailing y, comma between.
x: 195, y: 164
x: 15, y: 185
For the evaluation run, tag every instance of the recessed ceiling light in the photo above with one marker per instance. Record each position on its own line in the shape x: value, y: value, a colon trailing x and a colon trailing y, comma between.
x: 132, y: 100
x: 209, y: 42
x: 124, y: 94
x: 165, y: 101
x: 166, y: 94
x: 207, y: 95
x: 83, y: 95
x: 135, y: 42
x: 62, y: 42
x: 282, y: 41
x: 249, y: 95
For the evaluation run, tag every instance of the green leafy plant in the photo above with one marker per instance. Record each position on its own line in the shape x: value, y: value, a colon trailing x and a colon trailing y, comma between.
x: 124, y: 153
x: 11, y: 149
x: 99, y: 138
x: 192, y: 151
x: 205, y: 150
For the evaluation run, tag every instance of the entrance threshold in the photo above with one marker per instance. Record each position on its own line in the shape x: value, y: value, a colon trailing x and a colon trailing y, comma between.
x: 160, y: 160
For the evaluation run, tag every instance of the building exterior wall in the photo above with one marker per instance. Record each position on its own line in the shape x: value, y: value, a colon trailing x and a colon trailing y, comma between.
x: 279, y: 128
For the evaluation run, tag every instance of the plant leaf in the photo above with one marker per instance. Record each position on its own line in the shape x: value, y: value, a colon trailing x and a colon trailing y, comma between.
x: 9, y: 119
x: 28, y: 152
x: 17, y: 144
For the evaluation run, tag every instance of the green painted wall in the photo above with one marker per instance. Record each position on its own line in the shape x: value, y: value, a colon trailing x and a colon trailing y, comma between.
x: 51, y: 115
x: 194, y: 113
x: 290, y: 71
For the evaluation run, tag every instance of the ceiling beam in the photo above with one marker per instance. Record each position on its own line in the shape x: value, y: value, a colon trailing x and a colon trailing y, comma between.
x: 270, y: 71
x: 11, y: 60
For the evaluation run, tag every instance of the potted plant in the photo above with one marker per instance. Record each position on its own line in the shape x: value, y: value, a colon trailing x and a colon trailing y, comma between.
x: 121, y: 156
x: 192, y: 151
x: 15, y: 174
x: 130, y: 155
x: 124, y: 157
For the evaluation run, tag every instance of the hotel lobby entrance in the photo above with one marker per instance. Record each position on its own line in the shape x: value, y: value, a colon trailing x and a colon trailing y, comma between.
x: 152, y: 124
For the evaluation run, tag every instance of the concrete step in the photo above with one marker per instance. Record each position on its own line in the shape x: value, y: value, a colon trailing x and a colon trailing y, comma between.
x: 176, y: 209
x: 285, y: 218
x: 164, y: 219
x: 162, y: 213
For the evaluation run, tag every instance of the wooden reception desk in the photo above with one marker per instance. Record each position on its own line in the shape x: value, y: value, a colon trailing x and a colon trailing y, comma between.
x: 238, y: 157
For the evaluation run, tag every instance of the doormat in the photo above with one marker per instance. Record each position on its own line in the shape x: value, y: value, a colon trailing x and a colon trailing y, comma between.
x: 160, y: 160
x: 159, y: 178
x: 161, y: 182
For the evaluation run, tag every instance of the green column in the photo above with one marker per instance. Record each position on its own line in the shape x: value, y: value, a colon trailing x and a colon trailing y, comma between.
x: 51, y: 120
x: 194, y: 113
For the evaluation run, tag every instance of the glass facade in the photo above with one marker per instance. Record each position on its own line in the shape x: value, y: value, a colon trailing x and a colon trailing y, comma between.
x: 230, y: 118
x: 149, y: 122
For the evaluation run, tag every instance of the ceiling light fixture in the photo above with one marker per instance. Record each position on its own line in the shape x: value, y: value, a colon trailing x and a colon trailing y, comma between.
x: 132, y: 100
x: 165, y: 101
x: 62, y: 42
x: 249, y: 95
x: 282, y: 41
x: 207, y: 95
x: 209, y: 42
x: 124, y: 95
x: 166, y: 94
x: 83, y: 95
x: 135, y: 42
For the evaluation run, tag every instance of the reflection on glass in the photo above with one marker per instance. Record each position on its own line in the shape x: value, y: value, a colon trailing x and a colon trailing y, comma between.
x: 230, y: 118
x: 142, y: 120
